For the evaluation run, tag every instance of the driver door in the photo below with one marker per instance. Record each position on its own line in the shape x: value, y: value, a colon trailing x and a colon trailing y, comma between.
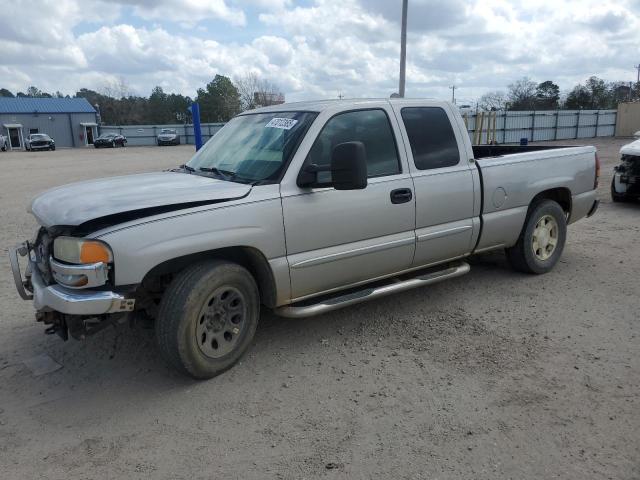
x: 338, y: 238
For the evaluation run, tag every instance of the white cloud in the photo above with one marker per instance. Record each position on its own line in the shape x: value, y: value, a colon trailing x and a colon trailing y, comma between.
x: 320, y: 48
x: 187, y: 12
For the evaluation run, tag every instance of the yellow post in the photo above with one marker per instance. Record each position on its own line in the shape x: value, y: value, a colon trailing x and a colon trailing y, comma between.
x: 495, y: 126
x: 479, y: 142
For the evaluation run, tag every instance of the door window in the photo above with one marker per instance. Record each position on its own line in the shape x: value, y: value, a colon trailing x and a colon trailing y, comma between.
x: 372, y: 128
x: 431, y: 137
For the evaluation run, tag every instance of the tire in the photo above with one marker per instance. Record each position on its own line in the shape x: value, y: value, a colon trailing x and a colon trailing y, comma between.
x: 539, y: 255
x: 615, y: 196
x: 113, y: 144
x: 52, y: 148
x: 198, y: 329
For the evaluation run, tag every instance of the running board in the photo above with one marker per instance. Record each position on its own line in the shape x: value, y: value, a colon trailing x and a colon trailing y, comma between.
x: 394, y: 285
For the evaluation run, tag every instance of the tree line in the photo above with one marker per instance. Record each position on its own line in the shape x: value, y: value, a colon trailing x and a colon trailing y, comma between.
x: 220, y: 100
x: 594, y: 94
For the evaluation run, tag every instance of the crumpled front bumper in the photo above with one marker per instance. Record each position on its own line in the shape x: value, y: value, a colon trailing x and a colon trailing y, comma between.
x: 61, y: 299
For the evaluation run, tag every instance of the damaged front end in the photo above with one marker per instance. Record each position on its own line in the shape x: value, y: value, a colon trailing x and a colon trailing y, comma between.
x: 626, y: 179
x: 72, y: 299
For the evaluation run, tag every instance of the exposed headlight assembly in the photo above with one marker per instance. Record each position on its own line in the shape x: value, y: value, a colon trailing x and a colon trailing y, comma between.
x: 81, y: 251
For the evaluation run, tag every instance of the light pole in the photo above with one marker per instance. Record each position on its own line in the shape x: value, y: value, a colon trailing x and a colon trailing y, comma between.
x: 403, y: 48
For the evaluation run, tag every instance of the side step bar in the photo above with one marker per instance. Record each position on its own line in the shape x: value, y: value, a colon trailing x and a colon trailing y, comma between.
x: 368, y: 293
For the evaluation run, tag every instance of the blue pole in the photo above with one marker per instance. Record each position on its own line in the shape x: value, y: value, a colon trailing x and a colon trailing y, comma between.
x: 197, y: 133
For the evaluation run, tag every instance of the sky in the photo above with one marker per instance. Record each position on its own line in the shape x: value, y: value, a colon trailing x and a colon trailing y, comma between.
x: 315, y: 48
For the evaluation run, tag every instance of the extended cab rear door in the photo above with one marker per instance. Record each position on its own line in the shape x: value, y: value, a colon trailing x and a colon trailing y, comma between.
x: 446, y: 184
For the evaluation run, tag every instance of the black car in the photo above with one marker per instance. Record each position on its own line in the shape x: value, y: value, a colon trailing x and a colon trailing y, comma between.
x: 112, y: 140
x: 625, y: 184
x: 39, y: 141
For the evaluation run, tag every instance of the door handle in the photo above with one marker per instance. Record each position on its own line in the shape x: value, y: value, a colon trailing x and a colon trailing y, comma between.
x: 401, y: 195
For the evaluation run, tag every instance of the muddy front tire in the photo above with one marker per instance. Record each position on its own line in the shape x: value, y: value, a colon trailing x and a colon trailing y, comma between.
x: 542, y: 239
x: 207, y: 318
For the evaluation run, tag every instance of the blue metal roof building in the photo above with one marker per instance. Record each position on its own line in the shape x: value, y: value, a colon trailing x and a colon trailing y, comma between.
x: 71, y: 122
x: 45, y: 105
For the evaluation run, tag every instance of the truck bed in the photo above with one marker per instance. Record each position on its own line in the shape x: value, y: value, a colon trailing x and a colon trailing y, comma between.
x: 511, y: 175
x: 487, y: 151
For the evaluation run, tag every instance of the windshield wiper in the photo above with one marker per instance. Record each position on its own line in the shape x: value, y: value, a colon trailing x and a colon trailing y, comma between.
x: 228, y: 175
x: 187, y: 168
x: 225, y: 174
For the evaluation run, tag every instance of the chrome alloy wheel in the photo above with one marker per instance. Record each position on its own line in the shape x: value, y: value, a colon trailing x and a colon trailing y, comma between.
x: 221, y: 322
x: 545, y: 237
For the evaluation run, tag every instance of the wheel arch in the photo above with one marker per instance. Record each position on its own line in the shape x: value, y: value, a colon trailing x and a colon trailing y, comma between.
x: 560, y: 195
x: 249, y: 257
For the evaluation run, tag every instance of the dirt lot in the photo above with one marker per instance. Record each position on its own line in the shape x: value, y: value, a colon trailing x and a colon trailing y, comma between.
x: 492, y: 375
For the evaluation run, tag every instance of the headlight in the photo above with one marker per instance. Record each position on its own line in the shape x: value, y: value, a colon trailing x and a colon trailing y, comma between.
x: 79, y: 250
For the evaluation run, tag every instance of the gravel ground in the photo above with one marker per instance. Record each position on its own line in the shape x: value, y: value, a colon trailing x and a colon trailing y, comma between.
x: 492, y: 375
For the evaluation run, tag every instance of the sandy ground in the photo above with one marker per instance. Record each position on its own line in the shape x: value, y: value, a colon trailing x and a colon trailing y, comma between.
x: 492, y: 375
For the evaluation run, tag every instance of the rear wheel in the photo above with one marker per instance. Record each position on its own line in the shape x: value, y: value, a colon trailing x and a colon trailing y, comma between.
x: 542, y: 239
x: 207, y: 318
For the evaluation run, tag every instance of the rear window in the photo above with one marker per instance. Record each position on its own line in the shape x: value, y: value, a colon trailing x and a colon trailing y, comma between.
x: 431, y: 137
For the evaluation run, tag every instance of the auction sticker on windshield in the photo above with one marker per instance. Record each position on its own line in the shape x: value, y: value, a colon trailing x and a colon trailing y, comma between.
x: 283, y: 123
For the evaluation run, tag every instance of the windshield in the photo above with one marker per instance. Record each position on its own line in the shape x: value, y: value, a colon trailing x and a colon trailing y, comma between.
x: 253, y: 148
x: 107, y: 135
x: 167, y: 130
x: 39, y: 136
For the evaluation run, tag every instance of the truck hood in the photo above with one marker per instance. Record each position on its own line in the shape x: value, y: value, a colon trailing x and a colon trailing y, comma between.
x: 134, y: 195
x: 632, y: 148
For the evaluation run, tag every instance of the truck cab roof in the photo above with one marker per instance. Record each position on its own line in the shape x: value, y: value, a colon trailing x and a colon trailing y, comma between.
x: 343, y: 104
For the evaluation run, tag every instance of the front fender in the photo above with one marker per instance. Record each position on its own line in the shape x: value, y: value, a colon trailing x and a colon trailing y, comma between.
x: 139, y: 248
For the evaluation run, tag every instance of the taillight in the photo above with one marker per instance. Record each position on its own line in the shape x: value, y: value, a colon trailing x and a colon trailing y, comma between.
x: 595, y: 182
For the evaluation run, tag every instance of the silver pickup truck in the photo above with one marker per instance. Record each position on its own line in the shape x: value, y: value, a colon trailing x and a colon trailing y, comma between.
x: 300, y: 208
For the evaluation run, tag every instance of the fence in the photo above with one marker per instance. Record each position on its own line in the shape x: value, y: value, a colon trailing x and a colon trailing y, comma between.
x: 140, y: 135
x: 510, y: 127
x: 483, y: 127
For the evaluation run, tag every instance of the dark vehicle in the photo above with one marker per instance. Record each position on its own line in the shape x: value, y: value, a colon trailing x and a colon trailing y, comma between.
x: 168, y: 136
x: 39, y: 141
x: 112, y: 140
x: 626, y: 178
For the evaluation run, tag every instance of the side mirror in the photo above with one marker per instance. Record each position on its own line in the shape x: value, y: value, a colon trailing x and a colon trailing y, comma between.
x: 349, y: 166
x: 348, y: 169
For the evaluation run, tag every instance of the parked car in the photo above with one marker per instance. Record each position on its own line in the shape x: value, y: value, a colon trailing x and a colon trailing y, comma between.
x: 39, y: 141
x: 4, y: 144
x: 300, y: 208
x: 168, y: 136
x: 625, y: 184
x: 112, y: 140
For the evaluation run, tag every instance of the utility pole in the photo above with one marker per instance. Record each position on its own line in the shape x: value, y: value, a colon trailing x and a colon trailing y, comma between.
x: 453, y: 94
x: 403, y: 48
x: 637, y: 67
